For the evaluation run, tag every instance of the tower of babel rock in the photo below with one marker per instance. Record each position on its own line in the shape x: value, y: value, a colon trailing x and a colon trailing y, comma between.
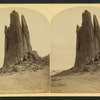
x: 88, y: 39
x: 17, y: 41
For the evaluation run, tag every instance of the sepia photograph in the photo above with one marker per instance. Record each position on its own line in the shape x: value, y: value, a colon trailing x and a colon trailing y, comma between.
x: 75, y: 55
x: 24, y: 47
x: 49, y: 49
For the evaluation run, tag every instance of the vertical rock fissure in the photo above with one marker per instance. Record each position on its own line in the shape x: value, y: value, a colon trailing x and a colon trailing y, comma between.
x: 17, y: 41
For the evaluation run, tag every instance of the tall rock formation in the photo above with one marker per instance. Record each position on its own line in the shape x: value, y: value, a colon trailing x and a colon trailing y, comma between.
x: 88, y: 39
x: 17, y: 41
x: 25, y: 35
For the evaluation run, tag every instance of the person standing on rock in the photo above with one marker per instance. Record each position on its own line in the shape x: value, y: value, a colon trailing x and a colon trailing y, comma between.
x: 25, y: 57
x: 92, y: 61
x: 21, y: 60
x: 96, y: 57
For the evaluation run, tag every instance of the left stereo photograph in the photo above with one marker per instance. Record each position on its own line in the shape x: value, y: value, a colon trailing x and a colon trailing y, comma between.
x: 25, y: 49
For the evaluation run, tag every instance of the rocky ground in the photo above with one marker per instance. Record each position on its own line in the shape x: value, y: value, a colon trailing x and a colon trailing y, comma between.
x: 28, y: 76
x: 28, y: 81
x: 76, y: 83
x: 83, y: 80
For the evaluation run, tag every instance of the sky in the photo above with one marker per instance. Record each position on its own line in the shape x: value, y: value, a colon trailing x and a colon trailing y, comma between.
x: 52, y: 29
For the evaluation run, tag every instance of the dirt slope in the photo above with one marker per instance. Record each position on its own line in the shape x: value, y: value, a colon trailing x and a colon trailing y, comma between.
x: 25, y: 82
x: 88, y: 82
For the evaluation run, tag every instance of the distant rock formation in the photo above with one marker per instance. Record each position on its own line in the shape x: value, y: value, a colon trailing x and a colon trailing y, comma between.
x: 17, y: 40
x: 88, y: 39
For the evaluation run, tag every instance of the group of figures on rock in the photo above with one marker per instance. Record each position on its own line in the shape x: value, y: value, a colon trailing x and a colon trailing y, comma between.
x: 96, y: 58
x: 28, y: 57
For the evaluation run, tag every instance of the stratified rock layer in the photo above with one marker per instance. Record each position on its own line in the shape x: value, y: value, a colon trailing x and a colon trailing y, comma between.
x: 17, y: 41
x: 88, y: 39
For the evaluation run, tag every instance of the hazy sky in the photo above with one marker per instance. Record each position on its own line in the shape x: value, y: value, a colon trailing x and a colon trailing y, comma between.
x: 63, y: 32
x: 38, y: 27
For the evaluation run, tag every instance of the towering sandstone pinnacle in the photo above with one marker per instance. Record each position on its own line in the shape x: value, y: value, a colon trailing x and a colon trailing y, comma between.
x: 17, y: 40
x: 88, y: 39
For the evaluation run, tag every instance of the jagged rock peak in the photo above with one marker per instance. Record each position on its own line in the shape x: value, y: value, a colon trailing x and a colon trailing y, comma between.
x: 14, y: 17
x: 86, y: 18
x: 24, y: 24
x: 86, y: 13
x: 25, y: 32
x: 17, y: 40
x: 95, y: 21
x: 88, y: 39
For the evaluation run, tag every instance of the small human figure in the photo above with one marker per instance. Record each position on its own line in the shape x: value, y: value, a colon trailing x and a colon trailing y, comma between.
x: 92, y: 61
x: 25, y: 57
x: 21, y: 60
x: 96, y: 58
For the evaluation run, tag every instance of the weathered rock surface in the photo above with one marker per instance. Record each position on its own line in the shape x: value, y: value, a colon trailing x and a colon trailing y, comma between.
x: 87, y: 47
x: 88, y: 39
x: 17, y: 41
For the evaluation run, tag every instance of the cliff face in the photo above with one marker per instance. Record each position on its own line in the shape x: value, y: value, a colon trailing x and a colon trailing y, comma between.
x: 17, y: 41
x: 88, y: 39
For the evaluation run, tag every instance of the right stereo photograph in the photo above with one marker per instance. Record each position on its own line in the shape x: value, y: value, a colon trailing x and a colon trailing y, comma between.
x: 75, y: 51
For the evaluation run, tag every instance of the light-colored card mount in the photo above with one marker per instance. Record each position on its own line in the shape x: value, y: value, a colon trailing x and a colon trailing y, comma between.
x: 52, y: 30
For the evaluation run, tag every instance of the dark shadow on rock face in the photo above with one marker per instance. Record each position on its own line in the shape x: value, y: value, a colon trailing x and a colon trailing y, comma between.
x: 88, y: 39
x: 17, y: 41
